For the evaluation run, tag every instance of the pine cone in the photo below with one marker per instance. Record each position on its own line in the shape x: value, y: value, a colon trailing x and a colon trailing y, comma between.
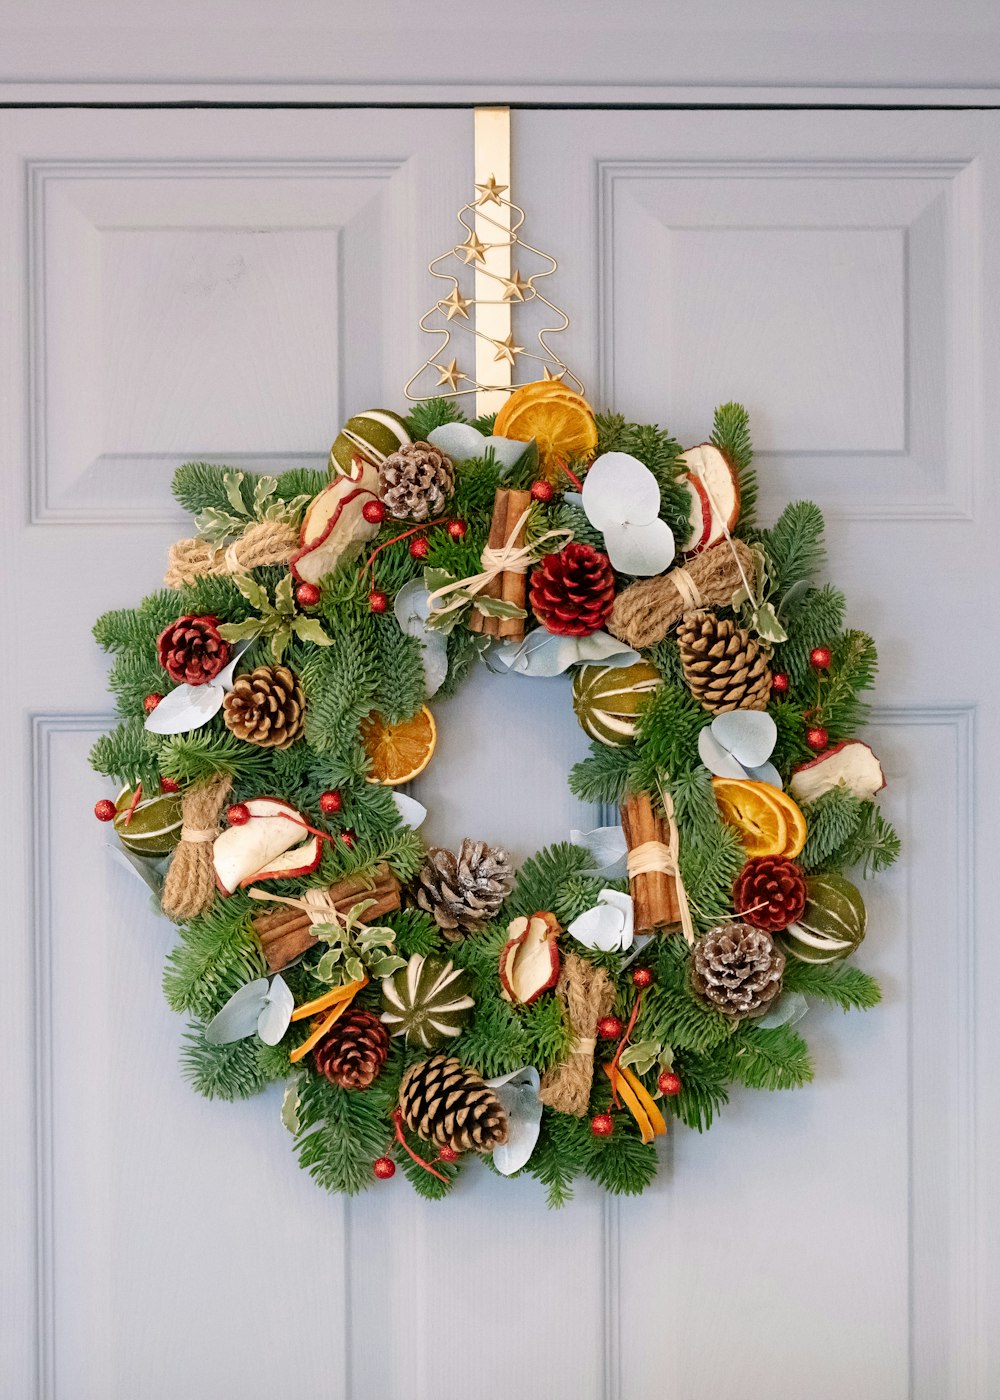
x: 770, y: 893
x: 573, y: 592
x: 724, y: 666
x: 266, y: 707
x: 417, y: 481
x: 463, y: 891
x: 737, y: 970
x: 353, y: 1051
x: 447, y: 1103
x: 191, y: 651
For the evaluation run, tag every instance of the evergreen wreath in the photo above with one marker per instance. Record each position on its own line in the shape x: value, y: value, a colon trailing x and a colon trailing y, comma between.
x: 426, y: 1006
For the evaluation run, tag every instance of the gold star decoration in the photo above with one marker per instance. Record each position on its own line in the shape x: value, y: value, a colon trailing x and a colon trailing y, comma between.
x: 491, y: 191
x: 514, y: 287
x: 506, y: 349
x: 473, y: 249
x: 449, y: 374
x: 455, y: 304
x: 547, y: 374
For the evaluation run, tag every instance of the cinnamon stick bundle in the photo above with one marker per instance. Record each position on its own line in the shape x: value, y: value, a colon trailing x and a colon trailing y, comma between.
x: 652, y: 883
x: 288, y: 933
x: 512, y: 584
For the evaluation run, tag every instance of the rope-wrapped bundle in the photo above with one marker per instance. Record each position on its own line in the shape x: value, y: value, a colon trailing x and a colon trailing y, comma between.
x: 189, y: 888
x: 587, y: 993
x: 645, y: 612
x: 264, y: 542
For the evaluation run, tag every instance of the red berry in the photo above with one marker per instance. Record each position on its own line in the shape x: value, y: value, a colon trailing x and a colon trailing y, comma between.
x: 377, y: 602
x: 609, y: 1028
x: 348, y: 838
x: 602, y: 1125
x: 669, y: 1083
x: 169, y: 785
x: 542, y: 491
x: 642, y: 977
x: 151, y: 701
x: 819, y: 658
x: 418, y: 547
x: 457, y: 529
x: 105, y: 810
x: 330, y: 801
x: 384, y: 1168
x: 779, y: 682
x: 238, y: 814
x: 373, y: 512
x: 447, y: 1154
x: 817, y: 738
x: 307, y: 595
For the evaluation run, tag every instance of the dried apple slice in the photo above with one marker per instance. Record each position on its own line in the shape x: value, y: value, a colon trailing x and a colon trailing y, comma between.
x: 241, y: 853
x: 701, y: 518
x: 851, y: 765
x: 334, y: 527
x: 712, y: 472
x: 529, y: 960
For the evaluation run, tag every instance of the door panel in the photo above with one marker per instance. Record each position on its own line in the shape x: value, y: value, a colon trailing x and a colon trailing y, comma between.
x: 228, y: 285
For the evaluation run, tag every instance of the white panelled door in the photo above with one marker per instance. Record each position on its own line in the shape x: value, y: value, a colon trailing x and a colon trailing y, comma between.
x: 228, y: 285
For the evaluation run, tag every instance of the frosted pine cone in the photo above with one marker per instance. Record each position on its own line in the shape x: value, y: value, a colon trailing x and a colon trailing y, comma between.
x: 573, y: 592
x: 737, y: 970
x: 464, y: 891
x: 417, y: 481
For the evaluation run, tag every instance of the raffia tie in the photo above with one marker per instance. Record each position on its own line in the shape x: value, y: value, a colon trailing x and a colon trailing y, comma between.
x: 671, y: 857
x: 189, y: 889
x: 318, y: 904
x: 508, y: 559
x: 587, y: 993
x: 690, y: 592
x: 263, y: 542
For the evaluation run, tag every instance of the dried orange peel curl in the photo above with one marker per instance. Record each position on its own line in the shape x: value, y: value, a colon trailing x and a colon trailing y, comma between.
x: 334, y: 1003
x: 637, y: 1100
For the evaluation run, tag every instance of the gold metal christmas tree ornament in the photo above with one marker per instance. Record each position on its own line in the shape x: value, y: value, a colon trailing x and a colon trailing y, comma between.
x: 488, y: 272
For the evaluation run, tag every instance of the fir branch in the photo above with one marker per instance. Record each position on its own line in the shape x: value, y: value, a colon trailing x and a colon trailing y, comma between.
x: 815, y: 621
x: 565, y: 515
x: 853, y: 664
x: 401, y: 681
x: 341, y: 1133
x: 416, y: 932
x: 341, y: 687
x: 790, y: 747
x: 874, y: 844
x: 772, y: 1058
x: 795, y: 546
x: 622, y: 1163
x: 560, y: 1154
x: 129, y: 754
x: 229, y: 1072
x: 429, y: 414
x: 199, y: 486
x: 841, y: 983
x: 665, y: 656
x: 666, y: 741
x: 216, y: 955
x: 125, y: 629
x: 703, y: 1093
x: 602, y: 777
x: 731, y: 435
x: 208, y: 753
x: 464, y: 650
x: 425, y: 1183
x: 711, y: 868
x: 301, y: 481
x: 541, y: 876
x: 831, y: 822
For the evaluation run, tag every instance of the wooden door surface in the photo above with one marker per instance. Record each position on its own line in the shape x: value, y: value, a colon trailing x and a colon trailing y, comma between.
x: 229, y: 285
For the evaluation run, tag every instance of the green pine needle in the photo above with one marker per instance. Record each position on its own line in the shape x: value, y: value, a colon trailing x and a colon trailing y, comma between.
x: 840, y: 983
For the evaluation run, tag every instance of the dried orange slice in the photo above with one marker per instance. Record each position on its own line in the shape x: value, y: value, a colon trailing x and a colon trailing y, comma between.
x: 795, y: 820
x: 750, y: 808
x: 560, y: 420
x: 398, y: 752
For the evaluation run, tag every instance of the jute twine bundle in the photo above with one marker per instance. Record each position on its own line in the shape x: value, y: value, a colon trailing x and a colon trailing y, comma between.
x: 264, y: 542
x: 644, y: 612
x: 587, y: 993
x: 189, y: 888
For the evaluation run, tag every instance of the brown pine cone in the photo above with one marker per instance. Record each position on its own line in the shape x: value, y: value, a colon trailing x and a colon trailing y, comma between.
x: 770, y: 893
x: 464, y: 890
x: 445, y: 1102
x: 191, y: 651
x: 573, y: 592
x: 353, y: 1051
x: 724, y: 666
x: 417, y: 481
x: 737, y: 970
x: 266, y: 707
